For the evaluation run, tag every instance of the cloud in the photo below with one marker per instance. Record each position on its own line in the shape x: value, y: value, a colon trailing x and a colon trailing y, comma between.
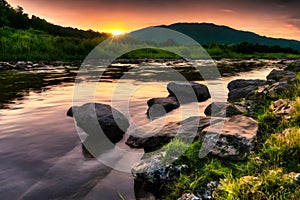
x: 227, y: 10
x: 294, y: 21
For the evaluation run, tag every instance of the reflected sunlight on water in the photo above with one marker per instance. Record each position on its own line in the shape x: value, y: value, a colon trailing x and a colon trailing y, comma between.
x: 40, y: 148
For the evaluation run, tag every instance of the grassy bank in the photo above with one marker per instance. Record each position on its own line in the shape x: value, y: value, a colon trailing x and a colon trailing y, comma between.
x: 38, y: 45
x: 268, y: 173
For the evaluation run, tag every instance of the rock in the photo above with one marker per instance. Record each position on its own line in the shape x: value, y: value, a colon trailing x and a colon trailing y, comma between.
x: 188, y: 196
x: 282, y: 75
x: 282, y: 107
x: 160, y: 106
x: 222, y: 109
x: 297, y: 177
x: 242, y: 83
x: 151, y: 170
x: 21, y: 65
x: 241, y: 88
x: 206, y: 192
x: 186, y: 91
x: 237, y: 137
x: 113, y: 123
x: 149, y: 138
x: 239, y: 93
x: 278, y: 87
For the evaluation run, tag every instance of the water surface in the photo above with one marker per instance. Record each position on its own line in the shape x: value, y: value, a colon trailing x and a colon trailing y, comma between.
x: 41, y: 155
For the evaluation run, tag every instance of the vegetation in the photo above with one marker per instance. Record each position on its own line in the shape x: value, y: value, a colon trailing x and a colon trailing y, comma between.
x: 24, y: 38
x: 268, y: 173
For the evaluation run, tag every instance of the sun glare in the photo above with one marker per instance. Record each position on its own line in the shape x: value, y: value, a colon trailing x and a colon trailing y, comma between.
x: 116, y: 32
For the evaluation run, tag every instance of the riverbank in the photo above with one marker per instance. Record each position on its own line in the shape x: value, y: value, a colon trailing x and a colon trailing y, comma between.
x: 269, y: 170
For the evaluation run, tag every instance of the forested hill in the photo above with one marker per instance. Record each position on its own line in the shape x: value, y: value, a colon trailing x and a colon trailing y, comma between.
x: 16, y: 18
x: 33, y: 38
x: 206, y: 33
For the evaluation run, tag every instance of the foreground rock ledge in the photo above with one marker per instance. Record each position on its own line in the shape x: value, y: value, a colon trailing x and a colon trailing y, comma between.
x: 90, y: 115
x: 237, y: 135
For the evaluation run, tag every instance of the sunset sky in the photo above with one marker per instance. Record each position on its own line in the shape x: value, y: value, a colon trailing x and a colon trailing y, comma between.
x: 274, y: 18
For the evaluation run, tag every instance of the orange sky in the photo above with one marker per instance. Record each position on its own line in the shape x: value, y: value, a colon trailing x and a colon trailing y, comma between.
x: 274, y: 18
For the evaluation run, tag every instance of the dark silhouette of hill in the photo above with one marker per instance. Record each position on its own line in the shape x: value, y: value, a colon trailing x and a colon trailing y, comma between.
x: 206, y: 33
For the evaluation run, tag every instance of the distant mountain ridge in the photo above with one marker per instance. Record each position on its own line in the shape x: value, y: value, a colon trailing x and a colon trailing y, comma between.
x: 205, y: 33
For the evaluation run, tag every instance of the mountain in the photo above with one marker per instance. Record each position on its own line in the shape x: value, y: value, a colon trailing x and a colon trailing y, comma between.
x: 205, y: 33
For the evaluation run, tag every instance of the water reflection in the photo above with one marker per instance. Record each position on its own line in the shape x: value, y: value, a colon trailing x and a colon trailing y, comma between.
x: 41, y: 154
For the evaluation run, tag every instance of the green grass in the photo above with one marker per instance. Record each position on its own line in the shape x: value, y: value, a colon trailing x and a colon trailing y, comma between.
x: 268, y: 173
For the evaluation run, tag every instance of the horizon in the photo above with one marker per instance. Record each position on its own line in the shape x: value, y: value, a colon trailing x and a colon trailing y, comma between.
x: 117, y: 17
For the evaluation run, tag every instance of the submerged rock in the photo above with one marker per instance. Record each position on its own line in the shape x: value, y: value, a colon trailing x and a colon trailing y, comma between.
x: 90, y: 115
x: 188, y: 91
x: 160, y: 106
x: 224, y: 109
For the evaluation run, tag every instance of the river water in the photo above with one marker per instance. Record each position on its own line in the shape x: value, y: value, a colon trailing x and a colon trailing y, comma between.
x: 41, y: 155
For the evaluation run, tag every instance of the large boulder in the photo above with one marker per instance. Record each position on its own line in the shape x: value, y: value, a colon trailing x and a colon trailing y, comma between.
x: 224, y: 109
x: 243, y: 83
x: 242, y: 88
x: 185, y: 91
x: 236, y: 138
x: 90, y: 115
x: 282, y: 75
x: 149, y: 138
x: 160, y: 106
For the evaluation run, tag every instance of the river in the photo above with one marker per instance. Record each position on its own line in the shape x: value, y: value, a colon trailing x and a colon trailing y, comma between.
x: 41, y: 155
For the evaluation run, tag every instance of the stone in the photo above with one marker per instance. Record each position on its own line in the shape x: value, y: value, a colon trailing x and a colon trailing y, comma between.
x: 243, y: 83
x: 278, y: 87
x: 242, y: 88
x: 150, y: 138
x: 187, y: 92
x: 224, y: 109
x: 282, y: 107
x: 160, y: 106
x: 239, y: 93
x: 297, y: 177
x: 236, y: 138
x: 188, y: 196
x: 282, y: 75
x: 90, y: 115
x: 151, y: 170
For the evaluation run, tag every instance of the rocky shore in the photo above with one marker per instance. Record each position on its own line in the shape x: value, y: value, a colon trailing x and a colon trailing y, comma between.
x: 236, y: 139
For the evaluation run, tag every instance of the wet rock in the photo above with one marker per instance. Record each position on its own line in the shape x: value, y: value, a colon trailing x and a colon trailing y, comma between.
x: 282, y: 75
x: 90, y: 115
x: 239, y: 93
x: 152, y: 171
x: 21, y: 65
x: 236, y: 138
x: 242, y: 83
x: 188, y: 92
x: 149, y: 138
x: 282, y: 107
x: 222, y: 109
x: 241, y: 88
x: 160, y: 106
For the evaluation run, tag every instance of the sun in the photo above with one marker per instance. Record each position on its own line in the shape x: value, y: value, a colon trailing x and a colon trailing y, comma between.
x: 117, y: 32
